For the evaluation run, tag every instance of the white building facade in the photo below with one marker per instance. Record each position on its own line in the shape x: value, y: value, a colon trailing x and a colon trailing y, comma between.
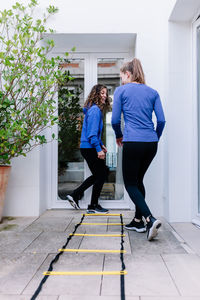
x: 165, y: 36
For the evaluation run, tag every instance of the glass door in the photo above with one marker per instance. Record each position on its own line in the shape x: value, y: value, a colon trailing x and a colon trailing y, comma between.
x: 70, y: 103
x: 108, y: 74
x: 198, y: 108
x: 87, y: 70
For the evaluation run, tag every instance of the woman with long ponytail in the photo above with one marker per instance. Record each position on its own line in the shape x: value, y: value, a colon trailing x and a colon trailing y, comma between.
x: 137, y: 102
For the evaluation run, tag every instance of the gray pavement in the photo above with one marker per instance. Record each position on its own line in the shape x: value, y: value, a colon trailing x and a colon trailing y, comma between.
x: 167, y: 268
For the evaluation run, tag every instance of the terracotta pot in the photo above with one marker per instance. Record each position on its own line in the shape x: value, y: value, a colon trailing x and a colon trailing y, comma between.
x: 4, y: 174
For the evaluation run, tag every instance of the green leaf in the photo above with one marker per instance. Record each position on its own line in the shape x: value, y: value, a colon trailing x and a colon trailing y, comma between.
x: 2, y: 54
x: 52, y: 9
x: 14, y: 51
x: 28, y: 76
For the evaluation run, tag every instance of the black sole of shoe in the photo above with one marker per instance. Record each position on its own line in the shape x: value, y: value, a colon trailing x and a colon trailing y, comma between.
x: 96, y: 212
x: 72, y: 202
x: 153, y: 231
x: 136, y: 229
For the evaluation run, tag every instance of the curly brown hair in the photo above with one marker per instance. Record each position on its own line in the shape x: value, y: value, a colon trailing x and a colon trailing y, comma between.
x: 94, y: 97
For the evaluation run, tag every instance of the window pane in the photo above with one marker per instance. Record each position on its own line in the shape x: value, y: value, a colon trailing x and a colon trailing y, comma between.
x: 71, y: 98
x: 198, y: 92
x: 109, y: 75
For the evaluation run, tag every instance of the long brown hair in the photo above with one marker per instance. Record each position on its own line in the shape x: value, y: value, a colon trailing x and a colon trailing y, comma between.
x: 94, y: 97
x: 135, y: 68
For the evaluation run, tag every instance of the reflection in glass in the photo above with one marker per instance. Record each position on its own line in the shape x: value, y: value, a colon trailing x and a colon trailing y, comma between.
x: 198, y: 95
x: 70, y: 103
x: 109, y: 75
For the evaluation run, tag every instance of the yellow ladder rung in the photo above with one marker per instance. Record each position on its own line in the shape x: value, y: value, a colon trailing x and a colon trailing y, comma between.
x: 86, y: 273
x: 106, y: 235
x: 102, y: 215
x: 102, y: 224
x: 92, y: 250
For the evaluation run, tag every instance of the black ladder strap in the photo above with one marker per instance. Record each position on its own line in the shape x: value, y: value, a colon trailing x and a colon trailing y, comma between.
x: 56, y: 258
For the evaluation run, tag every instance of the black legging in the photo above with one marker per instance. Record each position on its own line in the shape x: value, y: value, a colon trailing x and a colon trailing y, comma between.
x: 137, y: 157
x: 99, y: 173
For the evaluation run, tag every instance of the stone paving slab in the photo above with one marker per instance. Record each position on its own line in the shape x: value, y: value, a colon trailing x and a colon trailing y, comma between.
x: 147, y: 275
x: 190, y: 233
x: 55, y: 224
x: 16, y: 223
x: 87, y: 297
x: 16, y: 242
x: 116, y: 228
x: 17, y: 270
x: 110, y: 243
x: 66, y: 212
x: 71, y: 227
x: 164, y: 243
x: 88, y: 228
x: 50, y: 242
x: 165, y: 225
x: 94, y: 219
x: 164, y: 270
x: 127, y: 213
x: 60, y: 213
x: 65, y: 297
x: 70, y: 285
x: 169, y: 298
x: 118, y: 219
x: 185, y: 271
x: 26, y: 297
x: 76, y: 213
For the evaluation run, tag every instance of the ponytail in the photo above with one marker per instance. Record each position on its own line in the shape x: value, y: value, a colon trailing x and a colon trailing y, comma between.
x: 135, y: 68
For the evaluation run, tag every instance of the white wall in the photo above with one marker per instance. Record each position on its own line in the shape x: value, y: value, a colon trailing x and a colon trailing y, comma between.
x: 182, y: 113
x: 45, y: 177
x: 179, y: 116
x: 149, y: 20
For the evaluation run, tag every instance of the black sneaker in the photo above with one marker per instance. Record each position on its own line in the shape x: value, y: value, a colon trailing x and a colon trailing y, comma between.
x: 152, y: 228
x: 73, y: 201
x: 137, y: 226
x: 79, y: 197
x: 96, y: 209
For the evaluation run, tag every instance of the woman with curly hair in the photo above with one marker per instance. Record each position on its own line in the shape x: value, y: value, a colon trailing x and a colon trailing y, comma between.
x: 92, y: 148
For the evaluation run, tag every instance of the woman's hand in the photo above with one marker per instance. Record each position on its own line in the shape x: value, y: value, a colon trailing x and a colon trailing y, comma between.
x: 101, y: 154
x: 119, y: 142
x: 104, y: 148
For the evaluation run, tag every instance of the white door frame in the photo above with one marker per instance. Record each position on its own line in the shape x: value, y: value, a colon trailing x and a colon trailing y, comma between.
x: 90, y: 79
x: 195, y: 158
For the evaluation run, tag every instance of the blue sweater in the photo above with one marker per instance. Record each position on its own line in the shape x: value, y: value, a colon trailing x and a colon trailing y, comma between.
x: 92, y: 128
x: 137, y: 102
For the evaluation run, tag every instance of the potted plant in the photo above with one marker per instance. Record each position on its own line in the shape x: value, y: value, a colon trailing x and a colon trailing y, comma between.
x: 29, y: 81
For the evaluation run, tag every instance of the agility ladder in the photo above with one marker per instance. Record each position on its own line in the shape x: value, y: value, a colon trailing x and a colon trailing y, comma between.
x: 122, y: 272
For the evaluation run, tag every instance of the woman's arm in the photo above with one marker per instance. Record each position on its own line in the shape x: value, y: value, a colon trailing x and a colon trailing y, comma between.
x: 116, y: 114
x: 93, y: 123
x: 159, y: 115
